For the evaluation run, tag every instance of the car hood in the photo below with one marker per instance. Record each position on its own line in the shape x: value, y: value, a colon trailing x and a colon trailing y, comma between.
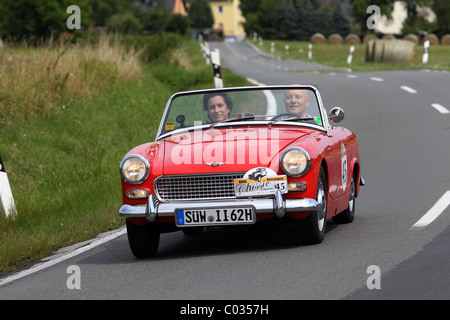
x: 229, y: 150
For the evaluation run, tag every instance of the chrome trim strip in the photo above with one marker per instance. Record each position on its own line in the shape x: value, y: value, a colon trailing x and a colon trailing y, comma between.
x: 261, y: 205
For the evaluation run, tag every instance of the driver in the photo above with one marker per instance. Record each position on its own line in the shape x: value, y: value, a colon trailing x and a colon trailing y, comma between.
x: 218, y: 105
x: 296, y: 101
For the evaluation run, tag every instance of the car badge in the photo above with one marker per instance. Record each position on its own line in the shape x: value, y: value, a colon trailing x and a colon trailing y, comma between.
x: 214, y: 164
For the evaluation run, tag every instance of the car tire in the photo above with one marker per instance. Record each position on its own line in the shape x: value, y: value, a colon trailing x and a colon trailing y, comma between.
x: 143, y: 240
x: 348, y: 214
x: 313, y: 227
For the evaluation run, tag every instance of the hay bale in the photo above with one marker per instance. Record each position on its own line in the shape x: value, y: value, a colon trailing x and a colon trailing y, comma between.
x: 390, y: 51
x: 445, y: 41
x: 369, y: 37
x: 352, y: 39
x: 318, y: 38
x: 411, y: 37
x: 434, y: 40
x: 388, y: 37
x: 335, y: 39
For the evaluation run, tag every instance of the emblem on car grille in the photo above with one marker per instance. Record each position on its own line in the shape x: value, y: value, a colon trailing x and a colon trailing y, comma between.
x: 214, y: 164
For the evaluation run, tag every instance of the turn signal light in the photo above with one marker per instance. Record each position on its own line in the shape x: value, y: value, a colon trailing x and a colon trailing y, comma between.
x: 296, y: 186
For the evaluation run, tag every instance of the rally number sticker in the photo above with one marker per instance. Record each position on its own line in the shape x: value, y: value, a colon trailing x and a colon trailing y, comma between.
x: 344, y: 170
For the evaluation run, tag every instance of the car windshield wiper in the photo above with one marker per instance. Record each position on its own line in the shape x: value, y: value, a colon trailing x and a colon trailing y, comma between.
x: 293, y: 119
x: 239, y: 117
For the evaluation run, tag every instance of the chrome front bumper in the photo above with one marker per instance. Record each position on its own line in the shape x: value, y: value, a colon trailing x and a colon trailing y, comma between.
x: 276, y: 205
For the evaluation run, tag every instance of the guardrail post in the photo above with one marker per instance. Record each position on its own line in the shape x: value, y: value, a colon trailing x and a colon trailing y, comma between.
x: 7, y: 206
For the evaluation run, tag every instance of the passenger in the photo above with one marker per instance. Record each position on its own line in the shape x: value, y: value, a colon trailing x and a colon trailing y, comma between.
x: 218, y: 105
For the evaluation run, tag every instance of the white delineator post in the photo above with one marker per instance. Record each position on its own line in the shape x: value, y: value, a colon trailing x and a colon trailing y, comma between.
x: 426, y: 45
x: 350, y: 55
x: 215, y: 59
x: 310, y: 51
x: 7, y: 206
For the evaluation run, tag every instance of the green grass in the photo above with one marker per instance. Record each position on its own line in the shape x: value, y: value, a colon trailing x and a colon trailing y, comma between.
x: 63, y: 166
x: 336, y: 56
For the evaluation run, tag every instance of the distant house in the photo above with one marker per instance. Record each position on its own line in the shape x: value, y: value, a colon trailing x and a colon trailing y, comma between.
x: 227, y: 16
x: 173, y: 6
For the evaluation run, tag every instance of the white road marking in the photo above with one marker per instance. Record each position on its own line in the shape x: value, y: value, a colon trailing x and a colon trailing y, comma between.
x: 434, y: 212
x: 351, y: 76
x: 408, y: 89
x: 440, y: 108
x: 41, y: 266
x: 376, y: 79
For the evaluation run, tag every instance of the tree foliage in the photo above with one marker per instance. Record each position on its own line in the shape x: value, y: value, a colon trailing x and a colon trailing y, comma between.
x: 200, y: 14
x: 292, y: 19
x: 30, y: 18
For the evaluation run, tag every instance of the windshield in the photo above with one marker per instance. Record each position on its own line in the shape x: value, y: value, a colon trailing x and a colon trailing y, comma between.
x: 288, y: 105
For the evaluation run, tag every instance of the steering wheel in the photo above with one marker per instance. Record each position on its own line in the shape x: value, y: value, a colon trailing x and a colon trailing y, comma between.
x: 286, y: 114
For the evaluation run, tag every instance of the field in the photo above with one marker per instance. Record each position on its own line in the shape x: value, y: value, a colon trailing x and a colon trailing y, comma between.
x: 68, y: 114
x: 336, y: 56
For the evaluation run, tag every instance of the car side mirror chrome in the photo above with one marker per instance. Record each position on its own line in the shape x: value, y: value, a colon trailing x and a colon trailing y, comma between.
x: 336, y: 114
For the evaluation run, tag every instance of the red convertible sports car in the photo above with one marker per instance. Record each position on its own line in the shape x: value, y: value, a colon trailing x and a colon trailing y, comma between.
x: 241, y: 156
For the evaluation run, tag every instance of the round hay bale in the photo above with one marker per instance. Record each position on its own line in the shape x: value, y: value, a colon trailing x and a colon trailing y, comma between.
x: 318, y: 38
x: 434, y: 40
x: 445, y: 41
x: 378, y: 50
x: 335, y: 39
x: 388, y: 37
x: 399, y: 51
x: 369, y: 50
x: 369, y: 37
x: 411, y: 37
x: 390, y: 51
x: 352, y: 39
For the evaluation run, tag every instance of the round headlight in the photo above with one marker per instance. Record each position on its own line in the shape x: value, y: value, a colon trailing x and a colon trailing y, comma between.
x: 295, y: 161
x: 134, y: 168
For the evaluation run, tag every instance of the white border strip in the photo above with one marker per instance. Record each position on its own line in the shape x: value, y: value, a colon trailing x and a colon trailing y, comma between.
x: 434, y: 212
x: 408, y: 89
x: 440, y: 108
x: 41, y: 266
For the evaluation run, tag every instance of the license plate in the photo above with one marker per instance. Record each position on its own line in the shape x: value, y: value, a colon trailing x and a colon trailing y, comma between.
x: 215, y: 216
x: 264, y: 187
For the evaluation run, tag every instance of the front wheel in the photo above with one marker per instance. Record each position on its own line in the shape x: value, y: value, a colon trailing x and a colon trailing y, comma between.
x: 313, y: 227
x: 143, y: 240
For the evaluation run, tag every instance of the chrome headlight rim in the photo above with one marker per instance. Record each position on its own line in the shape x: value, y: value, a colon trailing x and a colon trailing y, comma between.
x: 146, y: 173
x: 308, y: 161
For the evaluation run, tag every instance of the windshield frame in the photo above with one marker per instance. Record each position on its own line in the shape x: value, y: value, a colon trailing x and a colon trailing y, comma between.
x: 324, y: 127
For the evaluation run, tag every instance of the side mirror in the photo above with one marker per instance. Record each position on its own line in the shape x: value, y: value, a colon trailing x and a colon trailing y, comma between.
x: 336, y: 114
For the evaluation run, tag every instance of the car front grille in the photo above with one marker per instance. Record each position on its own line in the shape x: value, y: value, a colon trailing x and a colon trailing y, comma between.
x: 193, y: 187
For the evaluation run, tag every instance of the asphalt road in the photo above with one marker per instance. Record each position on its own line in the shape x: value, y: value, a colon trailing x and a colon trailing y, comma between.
x: 404, y: 137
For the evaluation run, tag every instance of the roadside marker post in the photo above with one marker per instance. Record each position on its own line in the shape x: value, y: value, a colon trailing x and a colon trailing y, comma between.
x: 215, y: 59
x: 7, y: 206
x: 310, y: 51
x: 205, y: 49
x: 350, y: 55
x: 426, y: 45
